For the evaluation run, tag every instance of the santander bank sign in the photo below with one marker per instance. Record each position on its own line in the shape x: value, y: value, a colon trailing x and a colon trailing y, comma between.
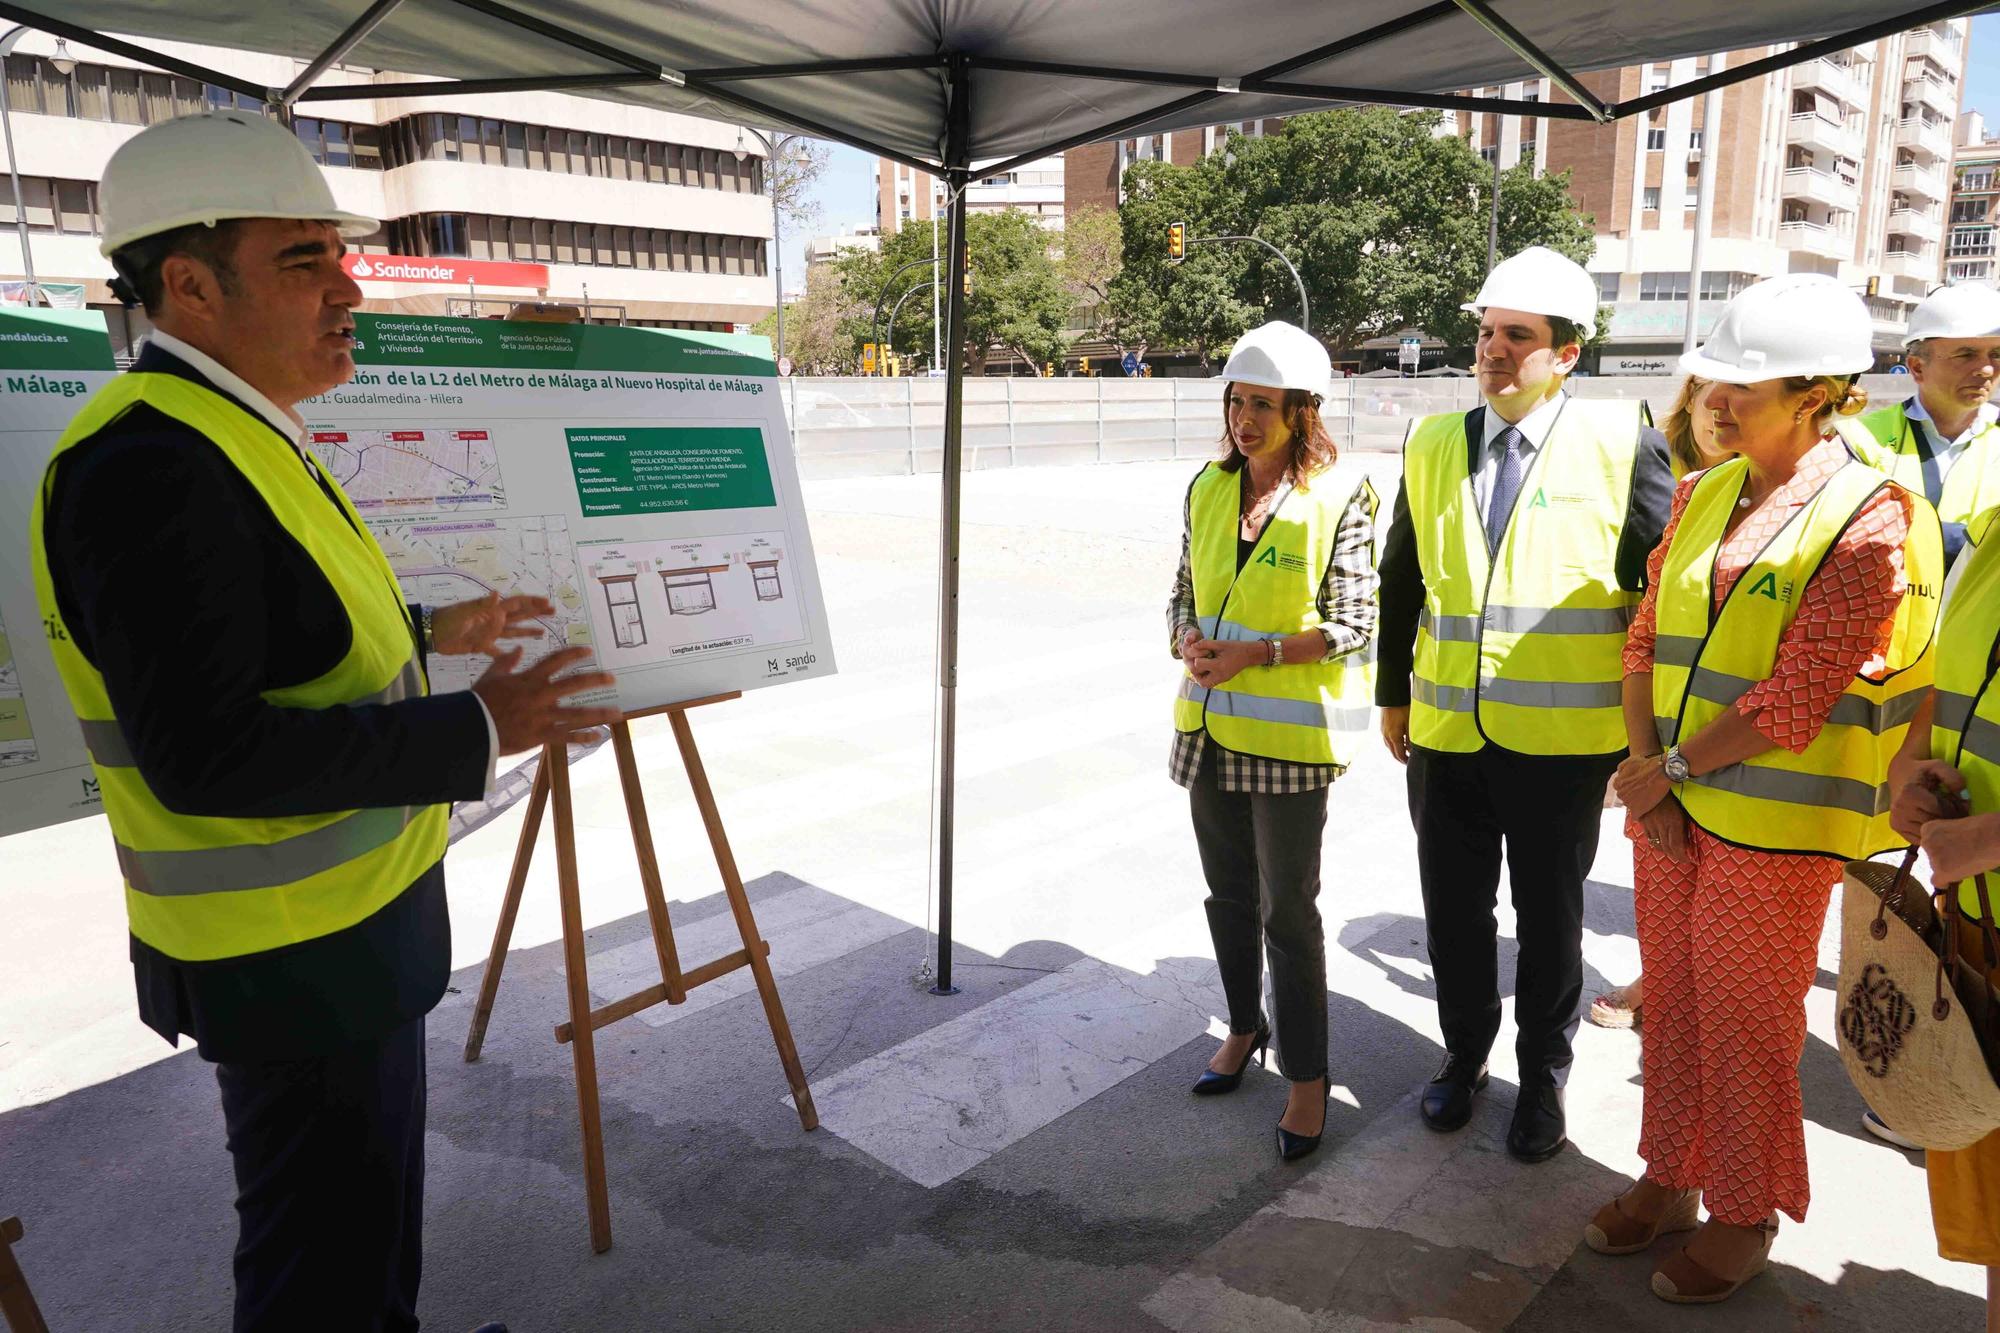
x: 448, y: 272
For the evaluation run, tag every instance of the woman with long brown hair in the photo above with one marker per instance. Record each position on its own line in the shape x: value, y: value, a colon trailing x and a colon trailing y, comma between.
x: 1272, y: 613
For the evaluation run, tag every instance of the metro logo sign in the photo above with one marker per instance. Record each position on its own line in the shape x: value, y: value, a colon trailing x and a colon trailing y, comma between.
x: 449, y: 272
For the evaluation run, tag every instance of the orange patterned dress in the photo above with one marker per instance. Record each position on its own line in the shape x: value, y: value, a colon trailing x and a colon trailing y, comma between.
x: 1729, y: 940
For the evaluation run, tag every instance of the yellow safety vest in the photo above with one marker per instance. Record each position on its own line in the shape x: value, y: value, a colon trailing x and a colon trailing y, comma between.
x: 1524, y: 648
x: 1306, y: 712
x: 1965, y: 714
x: 197, y: 887
x: 1887, y: 441
x: 1833, y: 799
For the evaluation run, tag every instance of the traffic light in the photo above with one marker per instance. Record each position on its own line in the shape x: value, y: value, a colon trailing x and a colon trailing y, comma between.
x: 1083, y: 366
x: 1874, y: 286
x: 968, y: 270
x: 1049, y: 370
x: 1177, y: 233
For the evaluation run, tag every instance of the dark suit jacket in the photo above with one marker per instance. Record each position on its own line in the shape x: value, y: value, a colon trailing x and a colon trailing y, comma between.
x: 183, y: 590
x: 1403, y: 577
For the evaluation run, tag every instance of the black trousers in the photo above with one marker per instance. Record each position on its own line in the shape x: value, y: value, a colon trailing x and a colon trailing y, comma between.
x: 329, y: 1156
x: 1260, y: 855
x: 1546, y: 811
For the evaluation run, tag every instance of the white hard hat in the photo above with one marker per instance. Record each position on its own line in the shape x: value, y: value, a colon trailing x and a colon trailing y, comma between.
x: 1540, y: 282
x: 222, y: 164
x: 1798, y: 324
x: 1967, y: 310
x: 1280, y: 356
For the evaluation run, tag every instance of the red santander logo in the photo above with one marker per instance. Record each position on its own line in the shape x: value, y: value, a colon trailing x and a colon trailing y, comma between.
x: 446, y: 272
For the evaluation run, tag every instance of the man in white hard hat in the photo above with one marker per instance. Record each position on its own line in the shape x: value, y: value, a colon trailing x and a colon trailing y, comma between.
x: 1944, y: 441
x: 1515, y: 557
x: 251, y: 687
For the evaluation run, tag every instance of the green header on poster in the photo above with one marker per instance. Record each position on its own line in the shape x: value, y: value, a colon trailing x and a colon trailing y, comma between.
x: 668, y: 469
x: 35, y: 339
x: 429, y: 340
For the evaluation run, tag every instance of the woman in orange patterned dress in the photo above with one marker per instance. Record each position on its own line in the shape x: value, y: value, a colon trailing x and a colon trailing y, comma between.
x: 1728, y: 935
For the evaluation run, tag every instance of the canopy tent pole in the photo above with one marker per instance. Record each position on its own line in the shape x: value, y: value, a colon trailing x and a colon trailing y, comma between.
x: 1513, y: 40
x: 356, y: 33
x: 957, y: 160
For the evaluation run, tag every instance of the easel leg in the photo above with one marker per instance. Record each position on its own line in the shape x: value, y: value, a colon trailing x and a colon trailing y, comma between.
x: 583, y: 1041
x: 649, y: 863
x: 510, y: 907
x: 17, y: 1303
x: 746, y: 923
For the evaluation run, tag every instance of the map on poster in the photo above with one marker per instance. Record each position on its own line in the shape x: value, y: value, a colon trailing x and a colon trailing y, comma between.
x: 17, y: 736
x: 642, y: 480
x: 51, y: 361
x: 444, y: 560
x: 416, y: 469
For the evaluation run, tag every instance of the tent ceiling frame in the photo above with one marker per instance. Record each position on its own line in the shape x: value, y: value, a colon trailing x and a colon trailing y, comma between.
x: 1513, y: 39
x: 713, y: 82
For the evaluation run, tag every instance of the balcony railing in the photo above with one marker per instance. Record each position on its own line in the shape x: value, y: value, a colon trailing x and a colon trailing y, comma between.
x: 1823, y: 74
x: 1917, y: 179
x: 1809, y: 129
x: 1926, y: 136
x: 1911, y: 264
x: 1911, y: 222
x: 1820, y: 187
x: 1816, y: 238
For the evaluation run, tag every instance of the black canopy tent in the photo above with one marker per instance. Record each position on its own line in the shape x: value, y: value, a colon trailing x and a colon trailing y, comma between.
x: 967, y: 88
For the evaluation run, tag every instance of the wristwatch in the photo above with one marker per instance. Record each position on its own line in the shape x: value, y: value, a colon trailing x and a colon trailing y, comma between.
x: 1277, y: 652
x: 1675, y: 766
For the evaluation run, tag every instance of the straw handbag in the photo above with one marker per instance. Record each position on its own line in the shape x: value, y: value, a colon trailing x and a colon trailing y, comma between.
x: 1919, y: 1024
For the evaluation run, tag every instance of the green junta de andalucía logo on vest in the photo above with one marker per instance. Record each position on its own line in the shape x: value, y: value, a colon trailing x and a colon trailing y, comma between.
x: 1544, y: 498
x: 1276, y: 559
x: 1766, y: 585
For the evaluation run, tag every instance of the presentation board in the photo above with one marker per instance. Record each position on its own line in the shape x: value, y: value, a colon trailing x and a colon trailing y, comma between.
x: 640, y: 479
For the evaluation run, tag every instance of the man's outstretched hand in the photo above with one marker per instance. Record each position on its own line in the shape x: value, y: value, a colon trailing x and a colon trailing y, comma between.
x: 527, y: 705
x: 478, y: 626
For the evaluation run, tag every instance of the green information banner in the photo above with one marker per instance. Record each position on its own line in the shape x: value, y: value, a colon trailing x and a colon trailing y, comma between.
x: 662, y: 469
x: 36, y: 339
x: 495, y: 344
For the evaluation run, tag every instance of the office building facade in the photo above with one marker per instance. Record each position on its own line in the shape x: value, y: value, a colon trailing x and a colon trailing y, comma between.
x: 649, y: 217
x: 1841, y: 165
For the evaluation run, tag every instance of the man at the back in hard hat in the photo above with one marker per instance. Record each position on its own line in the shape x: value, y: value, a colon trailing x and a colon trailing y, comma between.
x: 1944, y: 441
x: 251, y: 687
x: 1515, y: 557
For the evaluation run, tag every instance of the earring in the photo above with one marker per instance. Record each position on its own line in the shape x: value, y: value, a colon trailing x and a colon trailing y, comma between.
x: 1798, y: 416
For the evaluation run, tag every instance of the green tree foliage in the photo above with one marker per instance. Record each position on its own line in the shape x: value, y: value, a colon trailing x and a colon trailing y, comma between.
x: 1018, y: 305
x: 817, y: 326
x: 1384, y: 218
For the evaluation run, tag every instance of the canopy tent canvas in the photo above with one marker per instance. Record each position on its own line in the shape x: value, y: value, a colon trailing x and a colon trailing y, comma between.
x: 976, y: 87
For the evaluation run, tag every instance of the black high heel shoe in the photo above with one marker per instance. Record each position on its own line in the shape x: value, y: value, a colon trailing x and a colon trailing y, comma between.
x: 1292, y: 1146
x: 1212, y: 1084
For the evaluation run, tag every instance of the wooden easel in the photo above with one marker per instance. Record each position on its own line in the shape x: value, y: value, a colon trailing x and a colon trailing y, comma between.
x: 17, y: 1303
x: 552, y: 780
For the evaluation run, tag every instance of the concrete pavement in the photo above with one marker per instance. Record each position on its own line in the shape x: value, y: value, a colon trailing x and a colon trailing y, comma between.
x: 1021, y: 1156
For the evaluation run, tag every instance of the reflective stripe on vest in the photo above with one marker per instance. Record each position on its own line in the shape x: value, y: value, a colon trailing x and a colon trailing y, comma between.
x: 1307, y: 712
x: 1886, y: 441
x: 1523, y: 649
x: 1833, y: 799
x: 200, y: 888
x: 1965, y: 709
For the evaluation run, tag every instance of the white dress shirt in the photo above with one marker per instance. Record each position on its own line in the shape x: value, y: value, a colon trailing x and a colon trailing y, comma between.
x: 1948, y: 451
x: 1534, y: 428
x: 293, y: 428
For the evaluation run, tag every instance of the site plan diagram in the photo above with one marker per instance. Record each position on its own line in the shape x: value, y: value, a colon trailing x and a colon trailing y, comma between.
x: 414, y: 469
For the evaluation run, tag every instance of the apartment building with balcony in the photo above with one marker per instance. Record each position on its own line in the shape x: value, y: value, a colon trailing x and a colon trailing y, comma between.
x: 1975, y: 205
x: 651, y: 217
x: 1841, y: 165
x: 904, y: 195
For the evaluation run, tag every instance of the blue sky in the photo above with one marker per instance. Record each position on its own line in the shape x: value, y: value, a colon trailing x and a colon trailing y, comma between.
x: 846, y: 192
x: 1982, y: 74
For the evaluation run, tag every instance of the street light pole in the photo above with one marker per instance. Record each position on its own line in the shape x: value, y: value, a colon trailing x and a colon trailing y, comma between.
x: 8, y: 41
x: 1305, y: 311
x: 772, y: 149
